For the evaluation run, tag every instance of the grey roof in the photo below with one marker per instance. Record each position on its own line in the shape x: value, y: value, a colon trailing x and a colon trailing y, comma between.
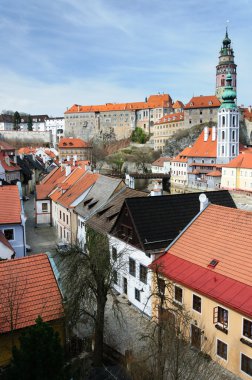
x: 105, y: 217
x: 100, y: 193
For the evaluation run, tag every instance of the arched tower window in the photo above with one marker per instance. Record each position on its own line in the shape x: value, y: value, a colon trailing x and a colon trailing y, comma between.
x: 234, y: 121
x: 233, y: 135
x: 233, y: 150
x: 223, y: 135
x: 223, y: 120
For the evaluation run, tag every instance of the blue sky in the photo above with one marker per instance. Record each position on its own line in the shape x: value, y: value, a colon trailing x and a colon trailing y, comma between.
x: 61, y: 52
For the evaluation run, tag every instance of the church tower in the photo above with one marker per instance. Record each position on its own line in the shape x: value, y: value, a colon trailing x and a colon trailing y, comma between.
x: 228, y: 125
x: 226, y: 65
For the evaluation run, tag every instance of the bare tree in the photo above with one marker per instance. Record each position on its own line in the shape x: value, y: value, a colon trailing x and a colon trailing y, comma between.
x: 169, y: 352
x: 88, y: 278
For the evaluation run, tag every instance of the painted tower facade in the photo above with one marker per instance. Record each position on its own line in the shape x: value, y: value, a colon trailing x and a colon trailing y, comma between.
x: 228, y: 125
x: 226, y: 65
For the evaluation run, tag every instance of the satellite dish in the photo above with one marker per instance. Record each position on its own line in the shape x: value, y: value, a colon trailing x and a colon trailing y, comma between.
x: 202, y: 198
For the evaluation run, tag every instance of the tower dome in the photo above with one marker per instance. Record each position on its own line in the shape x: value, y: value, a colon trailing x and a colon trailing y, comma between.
x: 226, y: 41
x: 229, y: 94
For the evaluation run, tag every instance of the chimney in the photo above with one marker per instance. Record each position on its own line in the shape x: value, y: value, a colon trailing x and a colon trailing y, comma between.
x: 68, y: 158
x: 250, y: 108
x: 68, y: 170
x: 203, y: 201
x: 157, y: 188
x: 205, y: 133
x: 213, y: 133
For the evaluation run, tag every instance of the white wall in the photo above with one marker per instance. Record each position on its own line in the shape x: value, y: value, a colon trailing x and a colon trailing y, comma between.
x: 43, y: 217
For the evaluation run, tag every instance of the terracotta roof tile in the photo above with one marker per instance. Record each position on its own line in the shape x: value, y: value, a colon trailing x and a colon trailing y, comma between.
x: 154, y: 101
x: 78, y: 188
x: 220, y: 233
x: 5, y: 146
x: 34, y: 291
x: 71, y: 143
x: 203, y: 148
x: 244, y: 161
x: 65, y: 183
x: 160, y: 161
x: 171, y: 118
x: 214, y: 173
x: 203, y: 102
x: 10, y: 205
x: 177, y: 104
x: 54, y: 176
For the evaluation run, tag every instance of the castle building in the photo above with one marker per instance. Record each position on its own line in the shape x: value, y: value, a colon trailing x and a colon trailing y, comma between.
x: 226, y: 65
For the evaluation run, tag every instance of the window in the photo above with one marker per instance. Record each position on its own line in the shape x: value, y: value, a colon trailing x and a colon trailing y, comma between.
x: 223, y: 135
x: 67, y: 219
x: 221, y: 349
x: 114, y: 254
x: 132, y: 267
x: 178, y: 294
x: 247, y: 328
x: 221, y: 316
x: 246, y: 364
x: 63, y: 216
x: 197, y: 303
x: 143, y: 274
x: 60, y: 214
x: 115, y: 277
x: 9, y: 234
x: 137, y: 294
x: 44, y: 207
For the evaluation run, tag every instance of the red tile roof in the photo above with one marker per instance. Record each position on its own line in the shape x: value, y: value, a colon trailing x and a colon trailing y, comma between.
x: 219, y: 233
x: 203, y: 102
x: 43, y: 190
x: 28, y: 283
x: 26, y: 150
x: 75, y: 191
x: 67, y: 182
x: 10, y: 205
x: 203, y: 148
x: 222, y: 233
x: 54, y: 176
x: 154, y: 101
x: 71, y: 143
x: 244, y: 161
x: 214, y: 173
x: 5, y: 146
x: 160, y: 161
x: 178, y: 104
x: 182, y: 156
x: 248, y: 114
x: 226, y: 291
x: 171, y: 118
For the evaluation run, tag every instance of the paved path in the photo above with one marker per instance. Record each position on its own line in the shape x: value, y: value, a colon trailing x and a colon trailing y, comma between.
x: 41, y: 239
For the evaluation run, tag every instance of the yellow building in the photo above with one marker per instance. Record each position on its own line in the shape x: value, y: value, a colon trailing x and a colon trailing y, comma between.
x: 164, y: 129
x: 237, y: 174
x: 209, y: 268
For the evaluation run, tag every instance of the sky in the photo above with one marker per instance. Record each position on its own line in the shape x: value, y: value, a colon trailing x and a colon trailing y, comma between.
x: 55, y: 53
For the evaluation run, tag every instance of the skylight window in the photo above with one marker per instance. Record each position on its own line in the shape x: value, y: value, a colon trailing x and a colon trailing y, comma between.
x: 87, y: 201
x: 213, y: 263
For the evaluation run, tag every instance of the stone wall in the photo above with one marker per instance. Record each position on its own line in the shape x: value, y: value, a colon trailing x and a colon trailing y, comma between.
x: 22, y: 138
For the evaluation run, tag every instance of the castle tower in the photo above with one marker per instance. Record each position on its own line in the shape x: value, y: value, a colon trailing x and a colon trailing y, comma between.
x: 228, y: 125
x: 226, y: 65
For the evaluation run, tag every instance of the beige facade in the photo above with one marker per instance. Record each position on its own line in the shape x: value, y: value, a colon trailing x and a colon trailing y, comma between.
x: 200, y: 110
x: 216, y: 323
x: 164, y: 129
x: 237, y: 178
x: 179, y: 175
